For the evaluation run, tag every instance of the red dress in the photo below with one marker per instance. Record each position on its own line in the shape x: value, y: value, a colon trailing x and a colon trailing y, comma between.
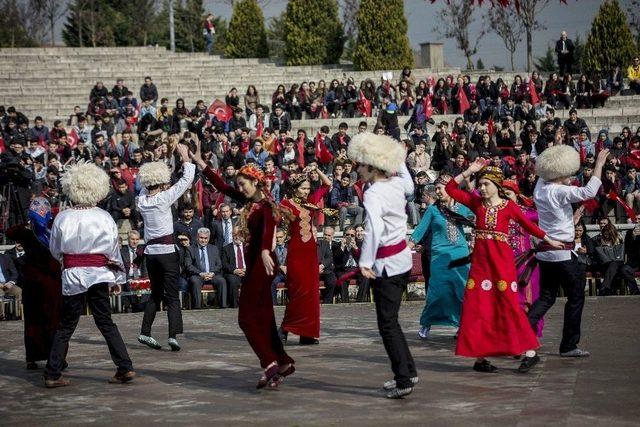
x: 41, y: 282
x: 302, y: 315
x: 255, y: 313
x: 492, y: 323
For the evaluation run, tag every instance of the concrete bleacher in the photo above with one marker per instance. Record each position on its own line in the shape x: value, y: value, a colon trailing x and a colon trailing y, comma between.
x: 50, y: 81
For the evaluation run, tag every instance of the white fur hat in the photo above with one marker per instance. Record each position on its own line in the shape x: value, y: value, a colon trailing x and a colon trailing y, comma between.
x: 559, y: 161
x: 154, y: 173
x: 85, y: 184
x: 380, y: 151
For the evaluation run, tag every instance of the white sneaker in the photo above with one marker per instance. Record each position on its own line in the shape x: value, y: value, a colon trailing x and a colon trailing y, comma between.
x: 424, y: 332
x: 149, y: 341
x: 391, y: 384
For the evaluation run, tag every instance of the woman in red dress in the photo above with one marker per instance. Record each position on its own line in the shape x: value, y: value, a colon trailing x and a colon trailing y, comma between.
x: 302, y: 315
x: 41, y: 282
x: 492, y: 323
x: 257, y: 222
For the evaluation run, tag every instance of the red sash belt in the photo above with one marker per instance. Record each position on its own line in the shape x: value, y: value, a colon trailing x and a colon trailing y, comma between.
x: 162, y: 240
x: 545, y: 247
x: 391, y: 250
x: 84, y: 260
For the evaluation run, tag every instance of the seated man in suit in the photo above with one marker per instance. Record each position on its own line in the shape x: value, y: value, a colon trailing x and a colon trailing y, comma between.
x: 325, y: 264
x: 281, y: 270
x: 345, y: 258
x: 222, y: 229
x: 234, y: 266
x: 188, y: 269
x: 131, y: 257
x: 209, y: 265
x: 9, y: 278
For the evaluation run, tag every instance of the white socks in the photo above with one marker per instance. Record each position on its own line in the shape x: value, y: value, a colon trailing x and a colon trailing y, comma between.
x: 530, y: 353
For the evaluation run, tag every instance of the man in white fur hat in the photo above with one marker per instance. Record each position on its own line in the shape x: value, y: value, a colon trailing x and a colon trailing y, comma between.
x: 84, y: 239
x: 154, y: 204
x: 385, y: 256
x: 553, y: 196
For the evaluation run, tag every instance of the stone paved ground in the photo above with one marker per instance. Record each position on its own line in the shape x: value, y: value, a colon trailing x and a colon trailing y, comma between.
x: 212, y: 380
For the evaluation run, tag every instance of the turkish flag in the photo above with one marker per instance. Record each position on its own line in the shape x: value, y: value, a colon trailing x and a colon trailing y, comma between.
x: 427, y: 108
x: 532, y: 93
x: 461, y: 96
x: 72, y: 139
x: 3, y: 148
x: 322, y: 152
x: 222, y: 111
x: 628, y: 209
x: 364, y: 105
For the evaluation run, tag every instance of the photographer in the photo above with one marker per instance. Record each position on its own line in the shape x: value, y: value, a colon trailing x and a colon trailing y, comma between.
x: 345, y: 259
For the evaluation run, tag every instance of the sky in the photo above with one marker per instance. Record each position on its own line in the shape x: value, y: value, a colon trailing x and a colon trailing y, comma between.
x: 575, y: 17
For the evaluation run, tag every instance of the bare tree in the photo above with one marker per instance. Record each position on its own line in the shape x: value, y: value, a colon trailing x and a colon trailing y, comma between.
x: 261, y: 3
x: 633, y: 8
x: 528, y: 16
x: 50, y: 11
x: 35, y: 21
x: 454, y: 21
x: 503, y: 22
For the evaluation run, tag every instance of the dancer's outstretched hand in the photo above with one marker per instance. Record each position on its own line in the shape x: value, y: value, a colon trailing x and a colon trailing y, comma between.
x: 367, y: 273
x: 269, y: 265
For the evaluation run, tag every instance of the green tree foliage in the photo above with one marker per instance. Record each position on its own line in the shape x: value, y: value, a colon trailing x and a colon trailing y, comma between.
x: 479, y: 64
x: 247, y: 37
x: 189, y: 23
x: 137, y: 23
x: 610, y: 41
x: 14, y: 26
x: 313, y: 33
x: 547, y: 62
x: 382, y: 41
x: 275, y: 36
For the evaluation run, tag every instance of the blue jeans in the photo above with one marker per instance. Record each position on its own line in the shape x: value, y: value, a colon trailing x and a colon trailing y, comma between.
x: 209, y: 38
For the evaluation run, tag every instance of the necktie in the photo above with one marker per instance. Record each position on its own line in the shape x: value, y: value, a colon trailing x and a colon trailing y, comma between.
x: 203, y: 259
x: 227, y: 232
x: 239, y: 262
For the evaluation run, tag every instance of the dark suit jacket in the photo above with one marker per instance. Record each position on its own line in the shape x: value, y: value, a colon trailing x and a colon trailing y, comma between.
x: 191, y: 229
x: 8, y: 269
x: 124, y: 251
x: 215, y: 263
x: 341, y: 257
x: 325, y: 256
x: 229, y: 259
x: 568, y: 44
x: 187, y: 261
x: 217, y: 233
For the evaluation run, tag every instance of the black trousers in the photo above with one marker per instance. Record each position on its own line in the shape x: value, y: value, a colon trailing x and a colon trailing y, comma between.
x: 233, y: 288
x: 387, y: 293
x: 164, y: 272
x: 617, y: 269
x: 570, y: 275
x: 219, y: 283
x: 329, y: 280
x: 97, y: 298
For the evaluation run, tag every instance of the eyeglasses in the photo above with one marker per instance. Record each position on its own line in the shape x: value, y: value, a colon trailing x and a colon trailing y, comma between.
x: 350, y: 234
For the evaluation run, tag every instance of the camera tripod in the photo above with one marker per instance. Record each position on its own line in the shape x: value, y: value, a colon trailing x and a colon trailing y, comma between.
x: 11, y: 210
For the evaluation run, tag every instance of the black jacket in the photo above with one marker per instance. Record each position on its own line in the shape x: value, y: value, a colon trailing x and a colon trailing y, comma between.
x: 325, y: 256
x: 8, y: 269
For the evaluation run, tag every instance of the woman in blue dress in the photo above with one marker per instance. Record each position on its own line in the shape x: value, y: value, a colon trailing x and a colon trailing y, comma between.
x: 449, y: 259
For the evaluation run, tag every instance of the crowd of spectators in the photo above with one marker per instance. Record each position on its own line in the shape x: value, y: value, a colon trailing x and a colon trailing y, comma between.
x: 509, y: 125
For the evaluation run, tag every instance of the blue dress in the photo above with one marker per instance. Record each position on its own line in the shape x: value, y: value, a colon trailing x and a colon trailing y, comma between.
x: 446, y: 285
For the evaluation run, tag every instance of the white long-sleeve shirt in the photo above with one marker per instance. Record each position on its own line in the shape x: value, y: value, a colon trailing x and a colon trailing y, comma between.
x: 86, y: 231
x: 555, y: 214
x: 386, y: 223
x: 156, y: 211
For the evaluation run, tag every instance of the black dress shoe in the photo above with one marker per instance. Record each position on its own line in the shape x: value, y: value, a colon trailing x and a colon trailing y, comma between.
x: 283, y: 335
x: 309, y: 341
x: 528, y: 363
x: 32, y: 366
x: 484, y: 366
